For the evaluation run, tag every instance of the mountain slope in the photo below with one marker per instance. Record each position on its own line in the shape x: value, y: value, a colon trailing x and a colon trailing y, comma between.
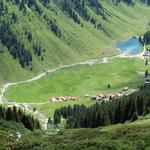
x: 119, y: 137
x: 44, y: 34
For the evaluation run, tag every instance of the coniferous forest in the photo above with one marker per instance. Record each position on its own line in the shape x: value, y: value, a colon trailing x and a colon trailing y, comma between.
x: 106, y: 113
x: 147, y: 38
x: 17, y: 114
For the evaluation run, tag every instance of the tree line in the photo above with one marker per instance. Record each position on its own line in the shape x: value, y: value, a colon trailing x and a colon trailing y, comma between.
x: 16, y: 47
x: 146, y: 1
x: 130, y: 2
x: 106, y: 113
x: 76, y: 8
x: 146, y: 38
x: 32, y: 4
x: 18, y: 115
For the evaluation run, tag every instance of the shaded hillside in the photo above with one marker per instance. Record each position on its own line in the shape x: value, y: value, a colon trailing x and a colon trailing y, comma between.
x: 37, y: 34
x: 119, y: 137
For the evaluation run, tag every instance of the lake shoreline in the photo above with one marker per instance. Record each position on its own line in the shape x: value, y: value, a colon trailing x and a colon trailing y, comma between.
x: 131, y: 47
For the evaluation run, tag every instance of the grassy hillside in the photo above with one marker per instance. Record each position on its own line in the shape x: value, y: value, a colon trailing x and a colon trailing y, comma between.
x: 76, y: 43
x: 10, y: 127
x: 118, y: 137
x: 12, y: 67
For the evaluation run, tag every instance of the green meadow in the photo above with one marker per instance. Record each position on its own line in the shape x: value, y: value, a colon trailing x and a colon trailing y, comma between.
x: 78, y: 81
x: 48, y: 109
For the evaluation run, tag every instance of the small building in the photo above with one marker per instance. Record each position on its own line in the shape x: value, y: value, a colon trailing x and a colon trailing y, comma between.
x: 119, y: 95
x: 93, y: 97
x: 147, y: 81
x: 126, y: 89
x: 62, y: 99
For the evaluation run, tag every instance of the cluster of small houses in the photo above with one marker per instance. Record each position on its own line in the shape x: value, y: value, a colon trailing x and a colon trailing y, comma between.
x: 108, y: 97
x: 98, y: 97
x: 104, y: 97
x: 62, y: 99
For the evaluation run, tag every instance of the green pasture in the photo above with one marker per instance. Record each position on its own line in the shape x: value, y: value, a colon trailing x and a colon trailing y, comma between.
x: 79, y: 81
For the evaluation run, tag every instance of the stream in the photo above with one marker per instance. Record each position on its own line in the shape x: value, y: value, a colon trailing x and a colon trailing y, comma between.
x: 131, y: 47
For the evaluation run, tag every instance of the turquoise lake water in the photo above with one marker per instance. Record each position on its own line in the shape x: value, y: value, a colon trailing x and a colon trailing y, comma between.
x: 132, y: 46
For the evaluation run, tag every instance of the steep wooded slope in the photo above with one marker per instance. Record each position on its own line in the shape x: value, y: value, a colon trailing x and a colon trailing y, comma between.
x: 36, y: 34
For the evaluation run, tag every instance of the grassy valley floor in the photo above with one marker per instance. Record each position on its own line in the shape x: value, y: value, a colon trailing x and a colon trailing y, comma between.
x: 78, y: 81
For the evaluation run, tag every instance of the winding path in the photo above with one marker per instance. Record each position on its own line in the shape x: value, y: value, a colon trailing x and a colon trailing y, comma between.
x: 37, y: 113
x: 5, y: 87
x: 26, y: 106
